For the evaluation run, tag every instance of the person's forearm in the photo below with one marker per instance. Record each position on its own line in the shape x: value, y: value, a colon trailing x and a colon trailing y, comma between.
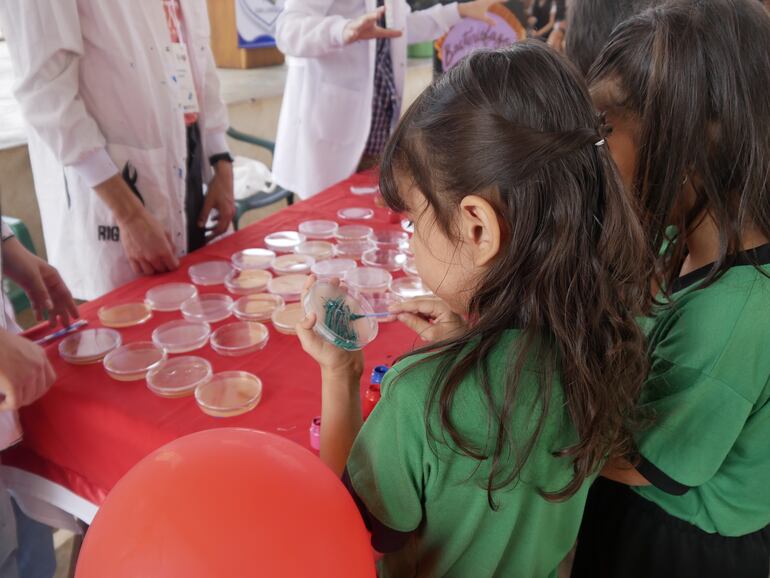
x: 340, y: 418
x: 622, y: 471
x: 119, y: 198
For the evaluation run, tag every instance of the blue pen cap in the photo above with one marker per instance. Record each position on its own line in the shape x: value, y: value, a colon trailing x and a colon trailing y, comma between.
x: 378, y: 373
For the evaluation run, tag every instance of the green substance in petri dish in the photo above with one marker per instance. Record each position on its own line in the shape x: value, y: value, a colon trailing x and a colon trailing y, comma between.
x: 338, y: 318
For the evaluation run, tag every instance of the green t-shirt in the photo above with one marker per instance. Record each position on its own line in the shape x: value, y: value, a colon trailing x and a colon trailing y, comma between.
x: 439, y: 497
x: 708, y: 451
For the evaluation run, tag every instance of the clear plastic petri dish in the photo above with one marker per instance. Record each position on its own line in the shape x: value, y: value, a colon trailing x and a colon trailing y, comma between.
x: 368, y: 279
x: 410, y: 267
x: 125, y: 314
x: 286, y: 318
x: 210, y: 308
x: 343, y: 320
x: 210, y: 272
x: 318, y: 229
x: 318, y: 250
x: 289, y: 287
x: 229, y: 394
x: 133, y: 361
x: 239, y: 338
x: 292, y: 264
x: 360, y: 191
x: 284, y: 241
x: 353, y: 249
x: 170, y: 296
x: 333, y: 268
x: 388, y: 259
x: 407, y: 226
x: 181, y: 336
x: 257, y: 307
x: 354, y: 233
x: 380, y: 302
x: 178, y: 377
x: 355, y: 214
x: 252, y: 259
x: 409, y: 288
x: 390, y: 239
x: 89, y: 346
x: 248, y: 281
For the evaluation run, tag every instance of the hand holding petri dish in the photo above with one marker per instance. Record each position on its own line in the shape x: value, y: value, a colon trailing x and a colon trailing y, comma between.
x: 341, y: 319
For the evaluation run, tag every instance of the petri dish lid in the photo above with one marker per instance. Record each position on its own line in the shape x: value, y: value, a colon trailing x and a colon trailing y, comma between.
x: 239, y: 338
x: 354, y: 233
x: 284, y: 241
x: 318, y: 229
x: 170, y: 296
x: 89, y: 345
x: 229, y: 394
x: 369, y: 279
x: 209, y: 308
x: 355, y: 214
x: 407, y: 226
x: 257, y: 307
x: 319, y: 250
x: 210, y: 272
x: 391, y: 239
x: 410, y: 267
x: 388, y: 259
x: 364, y: 190
x: 252, y: 259
x: 125, y: 314
x: 181, y: 336
x: 288, y: 286
x: 248, y: 281
x: 334, y: 308
x: 333, y: 268
x: 285, y: 319
x: 354, y: 249
x: 409, y: 288
x: 132, y: 362
x: 292, y: 263
x: 179, y: 376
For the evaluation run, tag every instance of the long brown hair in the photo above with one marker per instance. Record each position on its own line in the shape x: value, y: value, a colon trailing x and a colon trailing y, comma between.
x: 517, y: 127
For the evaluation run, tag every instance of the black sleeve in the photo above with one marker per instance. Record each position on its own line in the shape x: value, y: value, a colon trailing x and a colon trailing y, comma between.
x: 660, y: 479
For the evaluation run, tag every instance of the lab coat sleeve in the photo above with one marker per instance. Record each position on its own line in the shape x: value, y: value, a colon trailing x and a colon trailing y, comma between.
x: 432, y: 23
x: 304, y: 29
x: 5, y: 231
x: 45, y: 45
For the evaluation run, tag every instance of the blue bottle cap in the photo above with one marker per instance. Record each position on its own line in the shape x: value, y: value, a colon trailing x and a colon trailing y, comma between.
x: 378, y: 373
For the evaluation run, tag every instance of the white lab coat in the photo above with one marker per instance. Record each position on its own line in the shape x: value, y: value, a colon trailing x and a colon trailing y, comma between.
x: 327, y: 105
x: 94, y: 80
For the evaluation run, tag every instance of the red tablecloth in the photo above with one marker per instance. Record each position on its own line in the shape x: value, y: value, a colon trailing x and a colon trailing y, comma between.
x: 89, y: 430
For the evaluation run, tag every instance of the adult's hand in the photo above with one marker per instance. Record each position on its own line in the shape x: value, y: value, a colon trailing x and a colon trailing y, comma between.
x: 478, y: 10
x: 366, y: 27
x: 25, y: 372
x: 219, y: 196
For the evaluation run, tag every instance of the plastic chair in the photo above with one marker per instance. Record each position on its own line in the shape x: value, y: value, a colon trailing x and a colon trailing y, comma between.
x: 260, y: 199
x: 18, y: 298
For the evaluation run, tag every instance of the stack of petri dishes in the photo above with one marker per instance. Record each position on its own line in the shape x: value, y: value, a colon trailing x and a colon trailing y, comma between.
x: 89, y: 346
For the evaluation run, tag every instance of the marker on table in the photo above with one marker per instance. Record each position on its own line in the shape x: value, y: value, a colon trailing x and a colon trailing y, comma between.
x: 62, y: 332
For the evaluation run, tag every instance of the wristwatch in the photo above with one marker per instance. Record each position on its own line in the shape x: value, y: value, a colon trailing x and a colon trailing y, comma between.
x: 227, y: 157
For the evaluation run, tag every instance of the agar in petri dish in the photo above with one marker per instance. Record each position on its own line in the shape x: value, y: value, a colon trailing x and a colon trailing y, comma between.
x: 289, y: 287
x: 170, y: 296
x: 179, y: 377
x: 388, y: 259
x: 360, y: 191
x: 368, y: 279
x: 319, y: 250
x: 284, y: 241
x: 286, y: 318
x: 210, y: 308
x: 229, y: 394
x: 258, y: 307
x: 252, y: 259
x: 354, y: 233
x: 125, y: 314
x: 133, y: 361
x: 181, y: 336
x: 89, y: 346
x: 333, y: 268
x: 343, y: 320
x: 210, y: 272
x: 354, y: 249
x: 318, y: 229
x: 248, y: 281
x: 355, y: 214
x: 292, y: 263
x: 239, y: 338
x: 409, y: 288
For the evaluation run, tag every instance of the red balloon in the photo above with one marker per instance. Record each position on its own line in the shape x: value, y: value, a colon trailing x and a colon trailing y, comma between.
x: 228, y: 503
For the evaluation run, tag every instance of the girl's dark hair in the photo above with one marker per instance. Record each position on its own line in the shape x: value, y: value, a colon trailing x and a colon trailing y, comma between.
x: 696, y: 76
x: 590, y: 24
x: 517, y: 127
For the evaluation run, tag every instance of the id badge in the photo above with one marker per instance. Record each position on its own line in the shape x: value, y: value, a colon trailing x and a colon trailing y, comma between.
x: 183, y: 78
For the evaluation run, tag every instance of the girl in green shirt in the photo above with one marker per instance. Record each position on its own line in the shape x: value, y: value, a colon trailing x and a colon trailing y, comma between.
x: 477, y: 459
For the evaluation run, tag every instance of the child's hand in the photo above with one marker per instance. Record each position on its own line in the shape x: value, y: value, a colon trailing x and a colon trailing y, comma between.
x: 478, y: 10
x: 431, y: 318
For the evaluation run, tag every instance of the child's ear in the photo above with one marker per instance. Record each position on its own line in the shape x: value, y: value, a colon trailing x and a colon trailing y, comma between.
x: 480, y: 229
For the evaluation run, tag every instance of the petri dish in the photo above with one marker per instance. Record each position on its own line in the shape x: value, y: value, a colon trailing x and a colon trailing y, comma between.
x: 409, y: 288
x: 390, y: 239
x: 318, y: 229
x: 355, y: 214
x: 248, y: 281
x: 285, y: 319
x: 257, y: 307
x: 410, y: 267
x: 252, y: 259
x: 89, y: 346
x: 319, y: 250
x: 210, y: 272
x: 133, y: 361
x: 354, y: 249
x: 239, y: 338
x: 170, y: 296
x: 388, y: 259
x: 360, y: 191
x: 289, y: 287
x: 342, y: 318
x: 179, y: 377
x: 380, y: 303
x: 407, y: 226
x: 125, y: 314
x: 354, y: 233
x: 229, y: 394
x: 181, y: 336
x: 333, y: 268
x: 292, y: 263
x: 368, y: 279
x: 209, y: 308
x: 284, y: 241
